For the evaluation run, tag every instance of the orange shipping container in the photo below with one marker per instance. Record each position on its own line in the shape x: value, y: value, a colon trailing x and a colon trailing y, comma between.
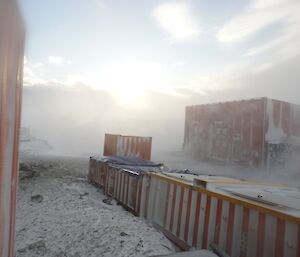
x: 11, y: 70
x: 127, y: 146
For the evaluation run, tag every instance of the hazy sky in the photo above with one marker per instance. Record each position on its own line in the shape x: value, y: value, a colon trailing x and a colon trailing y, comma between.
x: 96, y: 66
x: 131, y: 46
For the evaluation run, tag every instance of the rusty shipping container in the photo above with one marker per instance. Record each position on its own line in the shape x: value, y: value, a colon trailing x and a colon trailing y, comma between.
x: 243, y: 218
x: 122, y: 178
x: 11, y: 72
x: 257, y: 132
x: 127, y: 146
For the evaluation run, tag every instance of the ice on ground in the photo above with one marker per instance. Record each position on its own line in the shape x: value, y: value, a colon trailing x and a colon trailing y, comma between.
x: 70, y: 219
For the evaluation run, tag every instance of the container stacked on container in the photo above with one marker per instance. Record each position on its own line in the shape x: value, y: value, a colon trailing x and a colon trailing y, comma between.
x: 122, y: 172
x: 242, y: 218
x: 11, y: 72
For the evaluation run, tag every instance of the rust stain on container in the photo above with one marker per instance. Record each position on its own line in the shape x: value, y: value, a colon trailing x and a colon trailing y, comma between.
x: 255, y: 132
x: 11, y: 72
x: 127, y: 146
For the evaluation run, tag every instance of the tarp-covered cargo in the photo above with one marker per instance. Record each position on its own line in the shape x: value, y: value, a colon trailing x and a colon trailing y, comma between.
x: 123, y: 179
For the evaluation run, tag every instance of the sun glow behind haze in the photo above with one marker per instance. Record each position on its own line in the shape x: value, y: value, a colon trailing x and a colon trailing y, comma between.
x: 129, y: 80
x: 126, y: 80
x: 131, y: 67
x: 182, y: 48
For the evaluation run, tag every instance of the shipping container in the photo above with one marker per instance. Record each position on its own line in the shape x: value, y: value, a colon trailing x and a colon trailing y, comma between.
x: 97, y: 172
x: 122, y: 178
x: 257, y: 132
x: 11, y: 73
x: 242, y: 218
x: 127, y: 146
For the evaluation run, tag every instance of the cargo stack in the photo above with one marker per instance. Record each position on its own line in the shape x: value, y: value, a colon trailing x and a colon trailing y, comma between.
x: 238, y: 217
x: 124, y: 169
x: 125, y: 179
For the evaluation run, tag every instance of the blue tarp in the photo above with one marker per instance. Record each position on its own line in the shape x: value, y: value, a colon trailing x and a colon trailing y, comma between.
x: 130, y: 161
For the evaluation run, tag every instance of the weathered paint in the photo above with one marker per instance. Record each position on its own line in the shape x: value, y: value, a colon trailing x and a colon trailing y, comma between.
x: 121, y: 182
x: 97, y: 173
x: 238, y: 226
x: 194, y: 216
x: 128, y: 146
x: 282, y: 131
x: 11, y: 70
x: 249, y: 132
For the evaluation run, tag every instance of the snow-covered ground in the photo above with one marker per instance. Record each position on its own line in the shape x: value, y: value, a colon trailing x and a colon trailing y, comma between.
x: 34, y: 146
x: 60, y: 215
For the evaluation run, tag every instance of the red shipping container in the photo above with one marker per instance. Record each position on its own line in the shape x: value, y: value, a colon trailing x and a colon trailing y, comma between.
x: 122, y: 178
x: 256, y: 132
x: 11, y: 73
x: 127, y: 146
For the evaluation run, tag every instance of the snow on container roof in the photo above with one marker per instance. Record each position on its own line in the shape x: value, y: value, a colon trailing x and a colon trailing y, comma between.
x: 240, y: 101
x: 132, y: 164
x: 132, y: 161
x: 280, y: 197
x: 208, y: 178
x: 140, y: 169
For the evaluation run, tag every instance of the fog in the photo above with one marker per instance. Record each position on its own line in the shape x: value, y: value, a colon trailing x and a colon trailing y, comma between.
x: 74, y: 119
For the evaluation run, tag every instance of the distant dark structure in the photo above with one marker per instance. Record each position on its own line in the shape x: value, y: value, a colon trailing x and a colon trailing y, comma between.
x: 258, y: 132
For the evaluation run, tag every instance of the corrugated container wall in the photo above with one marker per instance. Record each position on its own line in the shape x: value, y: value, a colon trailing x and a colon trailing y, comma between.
x: 123, y: 179
x: 195, y: 217
x: 282, y: 132
x: 195, y: 211
x: 127, y: 146
x: 254, y: 132
x: 11, y: 70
